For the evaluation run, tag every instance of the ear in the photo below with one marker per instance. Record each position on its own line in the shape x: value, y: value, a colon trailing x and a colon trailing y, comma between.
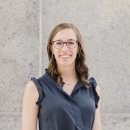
x: 78, y: 50
x: 51, y: 48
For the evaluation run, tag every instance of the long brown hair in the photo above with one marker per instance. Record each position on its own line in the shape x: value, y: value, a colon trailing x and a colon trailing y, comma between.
x: 80, y: 66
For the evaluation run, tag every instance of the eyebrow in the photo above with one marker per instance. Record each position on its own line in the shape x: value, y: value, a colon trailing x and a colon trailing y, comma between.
x: 61, y: 40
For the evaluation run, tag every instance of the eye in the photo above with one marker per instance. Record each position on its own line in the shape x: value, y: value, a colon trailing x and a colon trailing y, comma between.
x: 70, y: 42
x: 58, y: 43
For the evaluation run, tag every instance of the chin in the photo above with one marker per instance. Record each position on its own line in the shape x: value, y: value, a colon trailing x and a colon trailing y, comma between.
x: 65, y: 63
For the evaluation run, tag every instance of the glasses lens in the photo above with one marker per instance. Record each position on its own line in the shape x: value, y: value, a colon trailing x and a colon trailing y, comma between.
x: 71, y: 44
x: 58, y: 44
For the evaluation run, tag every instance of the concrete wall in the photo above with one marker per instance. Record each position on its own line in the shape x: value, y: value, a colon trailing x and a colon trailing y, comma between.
x: 105, y: 28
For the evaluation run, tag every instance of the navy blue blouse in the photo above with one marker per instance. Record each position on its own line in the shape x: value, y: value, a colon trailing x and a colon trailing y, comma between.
x: 59, y: 111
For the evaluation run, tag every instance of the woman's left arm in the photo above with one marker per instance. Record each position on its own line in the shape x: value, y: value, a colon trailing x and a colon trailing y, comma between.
x: 97, y: 121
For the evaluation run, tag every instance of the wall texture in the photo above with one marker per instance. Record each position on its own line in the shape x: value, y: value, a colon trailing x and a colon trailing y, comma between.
x: 105, y: 28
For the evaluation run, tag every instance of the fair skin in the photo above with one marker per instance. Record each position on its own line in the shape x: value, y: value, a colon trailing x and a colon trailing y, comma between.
x: 29, y: 107
x: 65, y: 58
x: 97, y: 121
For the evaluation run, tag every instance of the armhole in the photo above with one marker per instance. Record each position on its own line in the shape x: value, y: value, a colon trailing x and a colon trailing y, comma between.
x: 93, y: 85
x: 40, y: 92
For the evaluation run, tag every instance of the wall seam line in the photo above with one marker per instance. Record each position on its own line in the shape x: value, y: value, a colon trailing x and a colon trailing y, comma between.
x: 40, y: 37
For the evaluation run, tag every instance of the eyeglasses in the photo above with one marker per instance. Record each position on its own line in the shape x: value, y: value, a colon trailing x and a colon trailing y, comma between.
x: 59, y: 44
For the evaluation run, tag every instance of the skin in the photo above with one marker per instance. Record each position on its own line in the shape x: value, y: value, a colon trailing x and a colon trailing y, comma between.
x: 97, y: 121
x: 67, y: 68
x: 65, y: 65
x: 29, y: 107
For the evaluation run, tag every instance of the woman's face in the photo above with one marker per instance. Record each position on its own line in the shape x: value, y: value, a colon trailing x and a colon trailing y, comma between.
x: 65, y: 56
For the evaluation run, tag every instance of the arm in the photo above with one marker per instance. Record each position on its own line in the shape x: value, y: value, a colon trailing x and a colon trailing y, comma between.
x: 97, y: 121
x: 29, y: 107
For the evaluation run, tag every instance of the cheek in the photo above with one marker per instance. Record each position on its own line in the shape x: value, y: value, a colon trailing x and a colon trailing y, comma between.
x: 56, y: 53
x: 75, y: 52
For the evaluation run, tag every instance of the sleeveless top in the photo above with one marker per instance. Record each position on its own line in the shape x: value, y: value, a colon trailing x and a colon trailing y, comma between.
x: 60, y: 111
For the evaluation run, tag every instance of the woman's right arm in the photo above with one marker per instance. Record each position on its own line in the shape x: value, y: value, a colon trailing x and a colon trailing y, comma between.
x: 29, y: 107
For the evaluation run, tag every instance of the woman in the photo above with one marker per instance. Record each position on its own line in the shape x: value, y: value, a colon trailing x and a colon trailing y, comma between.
x: 63, y: 98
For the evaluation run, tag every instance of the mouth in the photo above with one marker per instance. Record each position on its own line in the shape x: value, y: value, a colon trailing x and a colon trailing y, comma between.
x: 65, y: 56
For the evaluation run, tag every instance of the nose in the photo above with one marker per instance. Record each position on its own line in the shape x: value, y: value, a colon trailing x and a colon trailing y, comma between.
x: 64, y: 48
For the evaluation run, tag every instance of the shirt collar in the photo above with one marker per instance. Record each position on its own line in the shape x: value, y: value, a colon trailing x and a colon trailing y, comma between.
x: 78, y: 85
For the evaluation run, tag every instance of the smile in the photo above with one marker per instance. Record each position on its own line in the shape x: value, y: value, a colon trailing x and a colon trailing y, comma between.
x: 64, y: 55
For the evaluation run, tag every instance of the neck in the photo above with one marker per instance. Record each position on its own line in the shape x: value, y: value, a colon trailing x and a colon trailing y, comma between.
x: 67, y: 73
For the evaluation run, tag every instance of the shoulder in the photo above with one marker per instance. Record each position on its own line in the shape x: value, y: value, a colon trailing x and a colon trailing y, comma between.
x: 30, y: 89
x: 98, y: 89
x: 30, y: 86
x: 94, y: 84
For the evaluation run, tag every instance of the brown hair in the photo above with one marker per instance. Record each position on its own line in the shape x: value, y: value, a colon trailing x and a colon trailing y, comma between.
x: 80, y: 66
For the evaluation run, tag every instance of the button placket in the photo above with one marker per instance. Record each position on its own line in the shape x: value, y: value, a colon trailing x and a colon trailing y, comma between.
x: 77, y: 112
x: 76, y: 108
x: 78, y: 115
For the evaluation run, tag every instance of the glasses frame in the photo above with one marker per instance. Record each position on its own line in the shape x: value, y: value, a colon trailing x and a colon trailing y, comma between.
x: 52, y: 42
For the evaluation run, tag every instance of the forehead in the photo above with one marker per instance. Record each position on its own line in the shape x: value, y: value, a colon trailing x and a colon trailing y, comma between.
x: 65, y: 34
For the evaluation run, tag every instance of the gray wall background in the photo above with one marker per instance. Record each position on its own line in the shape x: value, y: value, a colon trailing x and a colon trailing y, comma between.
x: 105, y: 27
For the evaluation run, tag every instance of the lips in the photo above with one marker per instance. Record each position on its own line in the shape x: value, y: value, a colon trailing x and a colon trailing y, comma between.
x: 65, y: 56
